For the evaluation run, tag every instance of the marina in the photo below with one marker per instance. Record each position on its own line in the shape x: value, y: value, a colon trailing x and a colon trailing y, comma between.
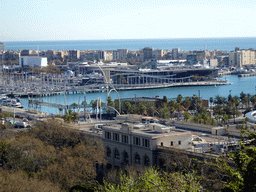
x: 236, y: 86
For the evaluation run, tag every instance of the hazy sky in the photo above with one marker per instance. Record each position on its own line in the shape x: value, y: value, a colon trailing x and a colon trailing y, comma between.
x: 131, y: 19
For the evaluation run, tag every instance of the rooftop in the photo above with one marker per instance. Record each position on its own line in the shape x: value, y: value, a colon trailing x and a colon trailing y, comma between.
x: 152, y: 130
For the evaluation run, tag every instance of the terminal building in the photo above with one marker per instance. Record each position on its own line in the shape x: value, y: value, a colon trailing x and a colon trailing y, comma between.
x: 32, y: 61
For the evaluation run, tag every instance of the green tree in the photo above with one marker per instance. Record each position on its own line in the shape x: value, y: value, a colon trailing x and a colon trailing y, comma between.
x: 164, y: 112
x: 179, y: 98
x: 153, y: 180
x: 127, y: 107
x: 186, y: 115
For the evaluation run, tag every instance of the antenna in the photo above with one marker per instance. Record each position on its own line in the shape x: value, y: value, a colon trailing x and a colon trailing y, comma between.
x: 205, y: 48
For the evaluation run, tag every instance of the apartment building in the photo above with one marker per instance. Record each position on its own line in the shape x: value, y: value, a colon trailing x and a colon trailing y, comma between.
x: 158, y: 54
x: 29, y: 52
x: 146, y: 53
x: 122, y: 54
x: 175, y: 53
x: 74, y: 54
x: 2, y: 46
x: 128, y: 144
x: 240, y: 58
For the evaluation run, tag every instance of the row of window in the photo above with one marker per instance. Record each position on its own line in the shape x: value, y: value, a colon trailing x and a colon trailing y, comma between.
x: 137, y: 158
x: 125, y: 139
x: 172, y: 143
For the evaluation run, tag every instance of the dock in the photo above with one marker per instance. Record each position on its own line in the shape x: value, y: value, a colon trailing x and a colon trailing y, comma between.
x: 118, y: 87
x: 246, y: 74
x: 169, y: 85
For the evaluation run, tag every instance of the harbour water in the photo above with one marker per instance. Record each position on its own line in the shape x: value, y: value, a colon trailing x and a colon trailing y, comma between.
x: 245, y: 84
x: 185, y: 44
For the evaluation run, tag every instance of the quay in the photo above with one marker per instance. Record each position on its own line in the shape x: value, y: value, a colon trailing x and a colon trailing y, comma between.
x: 246, y: 74
x: 181, y: 84
x: 119, y: 87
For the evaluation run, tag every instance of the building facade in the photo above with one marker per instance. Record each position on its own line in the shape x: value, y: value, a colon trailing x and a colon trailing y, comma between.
x: 158, y: 54
x: 137, y: 144
x: 146, y: 53
x: 192, y: 59
x: 2, y: 46
x: 175, y: 53
x: 32, y: 61
x: 74, y: 54
x: 122, y: 54
x: 240, y: 58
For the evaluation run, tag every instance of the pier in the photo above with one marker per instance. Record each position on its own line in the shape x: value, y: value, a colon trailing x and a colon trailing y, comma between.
x: 246, y: 74
x: 119, y: 87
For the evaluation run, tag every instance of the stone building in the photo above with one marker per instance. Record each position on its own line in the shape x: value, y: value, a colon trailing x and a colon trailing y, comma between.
x: 128, y: 144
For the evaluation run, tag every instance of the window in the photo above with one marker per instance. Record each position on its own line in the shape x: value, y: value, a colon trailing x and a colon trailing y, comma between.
x: 126, y: 158
x: 136, y: 140
x: 107, y: 135
x: 137, y: 159
x: 146, y: 161
x: 171, y: 143
x: 117, y: 156
x: 108, y: 152
x: 145, y: 143
x: 125, y: 139
x: 179, y: 142
x: 115, y: 136
x: 109, y: 166
x: 162, y: 144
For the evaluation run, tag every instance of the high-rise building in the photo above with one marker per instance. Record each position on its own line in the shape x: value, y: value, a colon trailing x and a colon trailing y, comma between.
x: 175, y: 53
x: 158, y: 54
x: 147, y: 53
x: 74, y: 54
x: 2, y: 46
x: 115, y: 55
x: 122, y: 54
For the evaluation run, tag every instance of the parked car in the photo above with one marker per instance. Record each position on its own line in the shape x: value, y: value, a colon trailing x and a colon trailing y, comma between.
x: 22, y: 125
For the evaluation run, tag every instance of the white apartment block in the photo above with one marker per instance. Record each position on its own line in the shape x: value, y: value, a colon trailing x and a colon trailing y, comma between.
x: 108, y: 56
x: 136, y: 145
x: 32, y: 61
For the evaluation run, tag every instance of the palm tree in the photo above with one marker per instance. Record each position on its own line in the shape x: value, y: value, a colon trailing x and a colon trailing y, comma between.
x: 74, y: 105
x: 127, y: 107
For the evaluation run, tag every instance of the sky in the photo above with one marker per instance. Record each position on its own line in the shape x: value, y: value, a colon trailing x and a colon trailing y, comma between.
x: 35, y: 20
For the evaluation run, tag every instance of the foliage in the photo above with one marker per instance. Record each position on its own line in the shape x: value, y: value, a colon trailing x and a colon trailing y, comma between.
x: 243, y: 177
x: 153, y: 180
x: 20, y: 181
x: 52, y: 155
x: 71, y: 116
